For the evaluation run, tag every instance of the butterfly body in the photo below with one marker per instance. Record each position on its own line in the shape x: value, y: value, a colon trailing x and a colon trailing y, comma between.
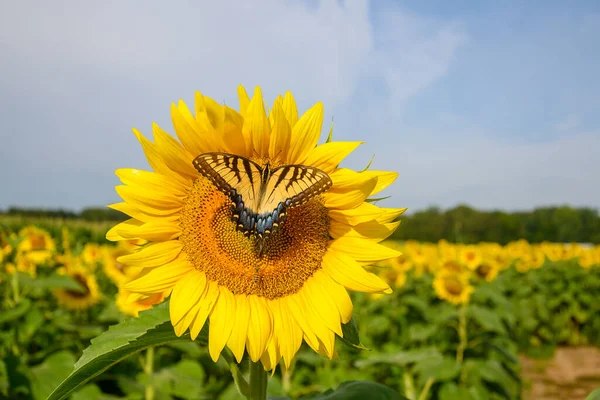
x: 261, y: 196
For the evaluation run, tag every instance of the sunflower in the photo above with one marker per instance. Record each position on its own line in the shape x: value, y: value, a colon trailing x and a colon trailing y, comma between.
x: 487, y: 270
x: 37, y: 245
x: 91, y: 254
x: 263, y: 299
x: 23, y: 264
x: 453, y: 287
x: 470, y: 256
x: 74, y: 299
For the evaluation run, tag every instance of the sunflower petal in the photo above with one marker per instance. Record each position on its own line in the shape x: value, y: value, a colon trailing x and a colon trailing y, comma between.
x: 221, y: 323
x: 290, y: 109
x: 358, y: 215
x: 328, y: 156
x: 347, y: 272
x: 346, y: 199
x: 186, y: 293
x: 305, y: 134
x: 281, y: 134
x: 384, y: 179
x: 162, y: 278
x: 256, y: 124
x: 153, y: 255
x: 260, y: 327
x: 206, y: 304
x: 363, y: 250
x: 237, y: 340
x: 173, y: 153
x: 371, y: 230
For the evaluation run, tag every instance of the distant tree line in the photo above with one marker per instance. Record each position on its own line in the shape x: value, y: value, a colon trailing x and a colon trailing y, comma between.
x: 87, y: 214
x: 464, y: 224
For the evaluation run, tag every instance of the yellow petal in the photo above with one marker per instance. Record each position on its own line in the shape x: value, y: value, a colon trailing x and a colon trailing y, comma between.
x: 203, y: 124
x: 244, y: 100
x: 153, y: 255
x: 213, y: 111
x: 147, y: 179
x: 347, y: 179
x: 340, y: 297
x: 173, y: 153
x: 371, y: 230
x: 233, y: 139
x: 328, y: 156
x: 221, y: 323
x: 363, y: 250
x: 132, y: 211
x: 305, y: 134
x: 295, y: 305
x: 384, y: 179
x: 256, y: 124
x: 321, y: 303
x: 162, y: 278
x: 390, y: 214
x: 289, y: 333
x: 281, y: 134
x: 347, y: 272
x: 153, y: 156
x: 259, y: 328
x: 185, y: 294
x: 113, y: 234
x: 237, y: 339
x: 346, y: 199
x: 317, y: 325
x: 150, y: 201
x: 206, y: 304
x: 290, y: 109
x: 358, y: 215
x: 158, y: 231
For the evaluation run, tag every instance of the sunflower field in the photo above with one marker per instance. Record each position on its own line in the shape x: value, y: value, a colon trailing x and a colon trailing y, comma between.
x: 453, y: 328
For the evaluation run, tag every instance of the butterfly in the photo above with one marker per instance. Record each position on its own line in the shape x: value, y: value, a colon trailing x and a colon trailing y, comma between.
x: 261, y: 196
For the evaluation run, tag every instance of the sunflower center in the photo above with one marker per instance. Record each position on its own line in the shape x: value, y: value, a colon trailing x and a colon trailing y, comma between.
x: 83, y: 282
x: 37, y: 242
x: 274, y: 267
x: 453, y: 286
x: 483, y: 270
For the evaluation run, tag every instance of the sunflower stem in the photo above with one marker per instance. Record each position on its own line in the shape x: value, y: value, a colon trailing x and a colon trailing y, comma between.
x: 238, y: 378
x: 462, y: 333
x: 258, y: 381
x: 149, y: 371
x: 15, y: 287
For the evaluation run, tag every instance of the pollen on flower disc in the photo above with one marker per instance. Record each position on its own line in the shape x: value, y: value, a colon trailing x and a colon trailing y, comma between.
x: 290, y: 256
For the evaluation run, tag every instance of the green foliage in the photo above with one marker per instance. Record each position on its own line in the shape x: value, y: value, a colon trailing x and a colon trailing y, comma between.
x: 464, y: 224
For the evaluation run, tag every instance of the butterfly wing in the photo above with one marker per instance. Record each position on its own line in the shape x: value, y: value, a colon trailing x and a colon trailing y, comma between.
x: 293, y: 185
x: 232, y: 173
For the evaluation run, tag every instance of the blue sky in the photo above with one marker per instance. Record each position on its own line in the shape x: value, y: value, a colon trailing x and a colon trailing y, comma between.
x: 494, y: 104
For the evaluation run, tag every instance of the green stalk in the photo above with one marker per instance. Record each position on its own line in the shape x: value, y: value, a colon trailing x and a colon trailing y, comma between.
x: 462, y: 333
x: 149, y: 371
x: 258, y: 381
x: 238, y: 378
x: 409, y: 386
x: 15, y: 287
x: 286, y: 376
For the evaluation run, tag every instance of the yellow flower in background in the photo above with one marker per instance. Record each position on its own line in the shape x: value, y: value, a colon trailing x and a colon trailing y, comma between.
x: 22, y: 264
x: 37, y: 245
x: 91, y: 254
x: 451, y: 266
x: 453, y: 287
x: 470, y: 256
x: 5, y: 246
x: 118, y: 272
x: 79, y: 300
x: 487, y: 270
x: 263, y: 296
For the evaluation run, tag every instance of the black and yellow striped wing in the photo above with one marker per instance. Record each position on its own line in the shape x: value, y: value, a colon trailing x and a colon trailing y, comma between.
x: 232, y: 173
x: 293, y: 185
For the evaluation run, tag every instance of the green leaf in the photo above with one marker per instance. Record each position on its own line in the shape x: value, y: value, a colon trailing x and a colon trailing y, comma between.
x: 421, y: 332
x: 54, y: 281
x: 54, y: 369
x: 350, y: 338
x: 184, y: 380
x: 595, y: 395
x: 15, y: 313
x: 152, y: 328
x: 401, y: 358
x: 487, y: 319
x: 450, y: 391
x: 358, y: 390
x: 441, y: 370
